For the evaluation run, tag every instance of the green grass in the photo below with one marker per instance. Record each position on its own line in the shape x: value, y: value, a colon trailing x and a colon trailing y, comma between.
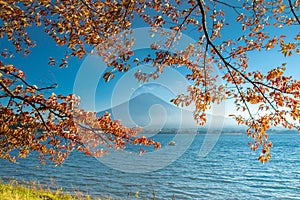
x: 32, y: 191
x: 14, y: 190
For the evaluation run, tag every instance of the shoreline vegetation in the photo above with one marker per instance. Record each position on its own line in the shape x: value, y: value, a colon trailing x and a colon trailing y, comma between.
x: 14, y: 190
x: 29, y: 190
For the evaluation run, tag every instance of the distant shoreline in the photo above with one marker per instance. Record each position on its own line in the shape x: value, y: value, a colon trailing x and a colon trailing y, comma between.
x: 202, y: 132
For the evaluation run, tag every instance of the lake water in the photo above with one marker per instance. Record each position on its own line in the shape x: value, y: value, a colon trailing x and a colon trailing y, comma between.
x: 229, y: 171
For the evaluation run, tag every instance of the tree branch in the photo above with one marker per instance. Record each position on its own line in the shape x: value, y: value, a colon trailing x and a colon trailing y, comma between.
x: 293, y: 11
x: 12, y: 95
x: 228, y: 65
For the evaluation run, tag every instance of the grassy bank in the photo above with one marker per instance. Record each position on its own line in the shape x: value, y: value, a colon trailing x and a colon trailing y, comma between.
x: 31, y: 191
x: 14, y: 190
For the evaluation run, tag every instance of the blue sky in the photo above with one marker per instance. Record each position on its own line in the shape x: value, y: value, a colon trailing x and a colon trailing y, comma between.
x: 39, y: 72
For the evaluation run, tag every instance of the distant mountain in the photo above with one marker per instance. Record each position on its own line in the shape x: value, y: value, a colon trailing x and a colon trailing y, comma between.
x: 151, y: 112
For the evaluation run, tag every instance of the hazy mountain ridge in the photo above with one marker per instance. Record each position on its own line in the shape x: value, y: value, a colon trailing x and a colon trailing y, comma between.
x: 151, y: 112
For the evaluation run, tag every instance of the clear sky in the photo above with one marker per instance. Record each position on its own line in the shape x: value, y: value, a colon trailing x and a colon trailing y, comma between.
x: 124, y: 86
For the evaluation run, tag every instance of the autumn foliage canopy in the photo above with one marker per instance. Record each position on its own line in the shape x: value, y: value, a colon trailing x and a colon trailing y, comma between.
x: 54, y: 125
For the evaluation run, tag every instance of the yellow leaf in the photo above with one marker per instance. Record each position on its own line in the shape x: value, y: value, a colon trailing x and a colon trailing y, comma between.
x: 281, y: 8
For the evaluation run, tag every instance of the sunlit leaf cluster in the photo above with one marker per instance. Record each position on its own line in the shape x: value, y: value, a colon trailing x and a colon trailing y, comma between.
x: 53, y: 125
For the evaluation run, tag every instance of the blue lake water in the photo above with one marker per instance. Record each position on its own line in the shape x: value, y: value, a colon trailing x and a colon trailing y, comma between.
x: 229, y: 171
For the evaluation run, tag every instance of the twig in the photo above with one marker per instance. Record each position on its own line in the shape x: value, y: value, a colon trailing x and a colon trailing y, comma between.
x: 228, y: 5
x: 180, y: 26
